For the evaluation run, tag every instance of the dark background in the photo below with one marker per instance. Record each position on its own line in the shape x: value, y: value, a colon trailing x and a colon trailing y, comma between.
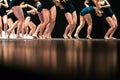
x: 100, y: 26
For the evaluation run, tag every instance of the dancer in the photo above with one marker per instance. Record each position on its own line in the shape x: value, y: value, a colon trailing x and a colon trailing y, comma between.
x: 71, y: 16
x: 27, y: 7
x: 48, y: 12
x: 3, y: 16
x: 85, y: 16
x: 18, y: 12
x: 109, y: 17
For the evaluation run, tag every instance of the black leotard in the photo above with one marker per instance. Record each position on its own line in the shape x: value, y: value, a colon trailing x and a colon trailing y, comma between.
x: 68, y: 6
x: 107, y: 11
x: 48, y: 4
x: 2, y: 9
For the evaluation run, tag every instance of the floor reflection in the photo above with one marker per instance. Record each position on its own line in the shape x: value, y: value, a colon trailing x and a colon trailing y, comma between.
x: 94, y: 59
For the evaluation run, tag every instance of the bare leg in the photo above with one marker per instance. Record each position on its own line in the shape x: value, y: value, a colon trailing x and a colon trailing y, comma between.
x: 25, y: 26
x: 0, y: 27
x: 111, y: 29
x: 89, y: 22
x: 51, y: 24
x: 5, y: 23
x: 32, y: 28
x: 42, y: 25
x: 10, y: 23
x: 70, y: 24
x: 74, y: 17
x: 12, y: 28
x: 19, y: 14
x: 116, y: 25
x: 82, y: 23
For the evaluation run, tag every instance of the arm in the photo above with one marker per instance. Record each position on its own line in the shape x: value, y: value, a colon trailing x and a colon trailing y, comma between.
x: 5, y: 5
x: 32, y: 11
x: 27, y: 5
x: 30, y: 6
x: 57, y: 3
x: 9, y: 12
x: 96, y: 2
x: 23, y: 5
x: 86, y: 3
x: 107, y: 5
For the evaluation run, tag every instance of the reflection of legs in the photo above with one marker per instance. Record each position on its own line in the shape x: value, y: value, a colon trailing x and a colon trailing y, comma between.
x: 50, y: 26
x: 5, y: 23
x: 32, y: 28
x: 89, y: 22
x: 0, y: 26
x: 116, y: 25
x: 74, y: 16
x: 70, y: 24
x: 111, y: 29
x: 82, y: 23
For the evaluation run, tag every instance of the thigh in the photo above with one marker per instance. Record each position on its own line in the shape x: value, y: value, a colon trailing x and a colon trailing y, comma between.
x: 46, y: 15
x: 69, y: 18
x: 0, y: 21
x: 9, y: 22
x: 53, y: 13
x: 18, y: 12
x: 5, y: 19
x: 110, y: 21
x: 88, y: 18
x: 115, y: 19
x: 27, y: 21
x: 74, y: 16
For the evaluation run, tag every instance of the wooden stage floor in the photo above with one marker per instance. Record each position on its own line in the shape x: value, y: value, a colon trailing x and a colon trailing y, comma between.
x: 59, y: 59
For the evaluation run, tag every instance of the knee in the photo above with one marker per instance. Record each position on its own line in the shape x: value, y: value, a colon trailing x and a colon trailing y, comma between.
x: 90, y: 24
x: 45, y: 22
x: 20, y: 21
x: 74, y: 24
x: 53, y: 20
x: 114, y: 26
x: 70, y: 25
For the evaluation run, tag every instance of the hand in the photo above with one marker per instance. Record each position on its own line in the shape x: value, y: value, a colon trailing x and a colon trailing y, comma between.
x: 99, y: 13
x: 26, y: 5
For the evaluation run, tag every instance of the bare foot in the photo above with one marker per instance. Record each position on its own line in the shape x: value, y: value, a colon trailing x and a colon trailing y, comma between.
x: 88, y: 37
x: 106, y: 37
x: 76, y: 36
x: 47, y: 36
x: 40, y: 37
x: 69, y: 35
x: 112, y: 38
x: 8, y: 34
x: 18, y: 37
x: 35, y: 36
x: 65, y: 36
